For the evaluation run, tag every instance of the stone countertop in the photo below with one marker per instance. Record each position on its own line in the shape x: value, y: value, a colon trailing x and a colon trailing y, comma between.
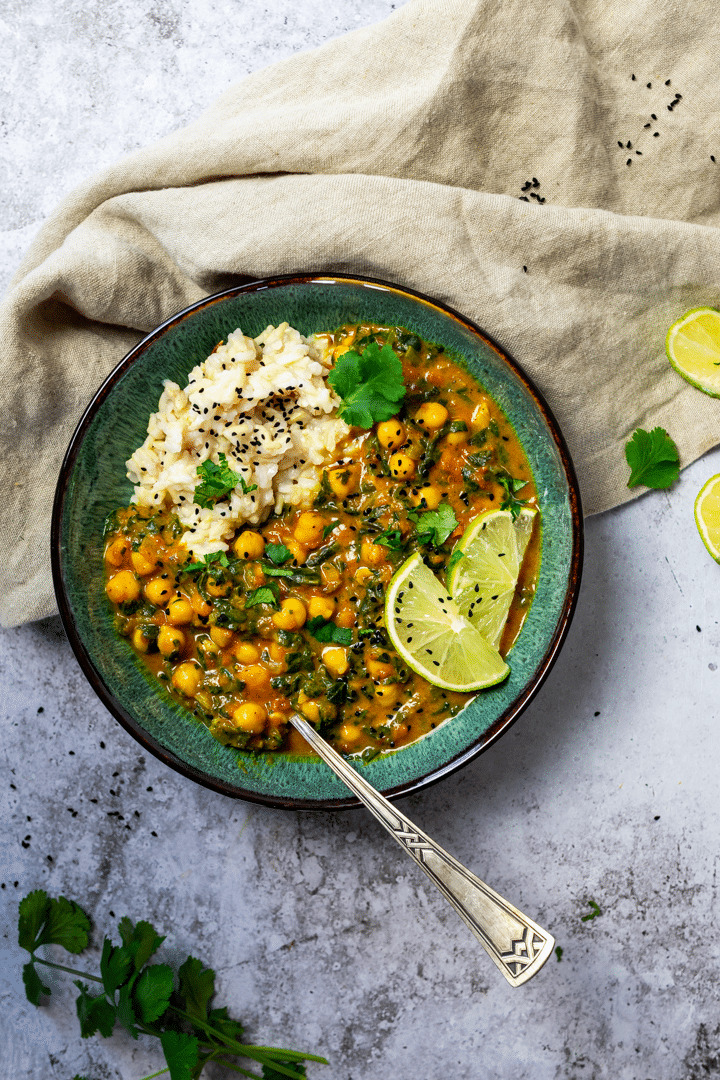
x: 323, y: 934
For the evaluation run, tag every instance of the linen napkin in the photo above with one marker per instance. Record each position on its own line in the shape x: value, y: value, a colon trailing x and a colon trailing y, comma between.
x: 546, y: 167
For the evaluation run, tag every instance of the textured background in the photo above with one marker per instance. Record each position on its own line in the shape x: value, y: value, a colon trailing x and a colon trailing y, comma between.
x: 323, y: 935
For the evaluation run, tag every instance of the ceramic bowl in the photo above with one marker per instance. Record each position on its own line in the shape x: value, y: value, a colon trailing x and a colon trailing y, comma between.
x: 92, y: 483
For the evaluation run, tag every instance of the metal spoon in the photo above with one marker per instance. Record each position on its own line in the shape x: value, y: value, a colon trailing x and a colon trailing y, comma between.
x: 515, y: 943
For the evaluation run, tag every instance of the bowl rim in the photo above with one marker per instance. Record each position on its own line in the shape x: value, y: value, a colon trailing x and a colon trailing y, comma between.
x: 134, y: 728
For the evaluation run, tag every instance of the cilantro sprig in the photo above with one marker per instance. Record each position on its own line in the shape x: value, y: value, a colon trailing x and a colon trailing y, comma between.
x: 218, y: 481
x: 206, y: 561
x: 653, y: 458
x: 370, y: 384
x: 143, y: 997
x: 435, y: 526
x: 326, y: 631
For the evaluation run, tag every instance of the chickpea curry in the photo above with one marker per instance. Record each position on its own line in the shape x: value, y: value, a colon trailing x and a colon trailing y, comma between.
x: 291, y: 617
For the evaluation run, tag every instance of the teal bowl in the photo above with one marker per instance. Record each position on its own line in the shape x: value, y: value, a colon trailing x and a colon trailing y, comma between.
x: 92, y: 483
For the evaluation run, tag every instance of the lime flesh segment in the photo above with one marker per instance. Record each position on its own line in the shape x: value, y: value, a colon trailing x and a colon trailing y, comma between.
x: 431, y: 635
x: 707, y: 515
x: 693, y: 348
x: 482, y: 583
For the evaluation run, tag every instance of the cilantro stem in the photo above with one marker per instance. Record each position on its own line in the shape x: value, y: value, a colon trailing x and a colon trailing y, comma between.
x: 158, y: 1073
x: 70, y: 971
x: 238, y: 1069
x: 255, y: 1053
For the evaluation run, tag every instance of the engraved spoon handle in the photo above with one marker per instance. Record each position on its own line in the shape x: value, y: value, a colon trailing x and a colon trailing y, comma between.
x: 515, y: 943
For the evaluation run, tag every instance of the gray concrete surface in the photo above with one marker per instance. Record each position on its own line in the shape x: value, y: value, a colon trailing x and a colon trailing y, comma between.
x: 323, y: 935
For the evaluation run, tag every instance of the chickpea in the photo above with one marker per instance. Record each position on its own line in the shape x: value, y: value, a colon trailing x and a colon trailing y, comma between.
x: 363, y: 573
x: 158, y: 591
x: 378, y: 669
x: 331, y: 577
x: 116, y: 551
x: 387, y: 695
x: 221, y: 636
x: 246, y: 653
x: 372, y: 554
x: 343, y: 481
x: 292, y: 614
x: 141, y: 564
x: 140, y: 641
x: 123, y: 587
x: 345, y: 616
x: 218, y: 588
x: 298, y: 551
x: 309, y: 529
x: 431, y: 415
x: 199, y: 605
x: 402, y: 466
x: 180, y: 612
x: 170, y: 641
x: 481, y: 416
x: 322, y: 606
x: 187, y: 678
x: 336, y: 661
x: 456, y: 438
x: 277, y: 652
x: 428, y: 496
x: 391, y: 434
x: 311, y: 711
x: 349, y: 734
x: 249, y: 545
x: 256, y: 679
x: 250, y: 717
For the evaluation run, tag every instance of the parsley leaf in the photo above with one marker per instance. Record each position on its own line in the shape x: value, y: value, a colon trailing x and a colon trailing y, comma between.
x: 153, y: 990
x: 370, y: 385
x: 217, y: 481
x: 435, y: 526
x: 653, y: 459
x: 181, y: 1054
x: 266, y: 594
x: 277, y: 553
x: 324, y: 630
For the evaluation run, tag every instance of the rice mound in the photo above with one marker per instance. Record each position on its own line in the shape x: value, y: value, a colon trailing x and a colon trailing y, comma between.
x: 264, y: 403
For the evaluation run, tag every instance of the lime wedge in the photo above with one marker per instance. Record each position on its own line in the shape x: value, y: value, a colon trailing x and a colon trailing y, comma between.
x: 431, y: 635
x: 693, y: 348
x: 482, y: 582
x: 707, y: 515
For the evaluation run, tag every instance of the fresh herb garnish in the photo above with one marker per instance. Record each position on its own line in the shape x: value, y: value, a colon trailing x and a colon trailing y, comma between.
x: 653, y: 459
x: 206, y: 560
x: 265, y: 594
x: 591, y: 914
x: 511, y: 486
x: 277, y: 553
x: 217, y: 481
x: 455, y: 559
x: 324, y: 630
x: 435, y: 526
x: 559, y: 952
x: 328, y: 529
x: 145, y: 997
x: 277, y: 571
x: 390, y: 538
x: 370, y: 385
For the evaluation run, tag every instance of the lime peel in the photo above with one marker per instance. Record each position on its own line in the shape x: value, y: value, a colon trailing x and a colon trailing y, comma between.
x: 692, y: 345
x: 707, y: 515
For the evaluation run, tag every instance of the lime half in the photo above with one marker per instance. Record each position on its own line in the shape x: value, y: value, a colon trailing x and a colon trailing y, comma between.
x: 431, y: 635
x: 693, y: 348
x: 707, y: 515
x: 482, y: 582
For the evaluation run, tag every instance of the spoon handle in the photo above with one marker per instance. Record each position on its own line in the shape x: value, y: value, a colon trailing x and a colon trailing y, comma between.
x: 515, y: 943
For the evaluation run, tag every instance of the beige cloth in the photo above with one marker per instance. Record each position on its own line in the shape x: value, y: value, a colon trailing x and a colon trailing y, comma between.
x: 401, y: 151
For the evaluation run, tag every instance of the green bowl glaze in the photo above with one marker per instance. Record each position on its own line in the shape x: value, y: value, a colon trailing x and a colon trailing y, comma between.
x: 92, y: 483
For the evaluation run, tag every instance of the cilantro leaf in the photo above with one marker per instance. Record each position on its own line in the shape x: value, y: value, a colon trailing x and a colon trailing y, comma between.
x: 141, y: 940
x: 265, y: 594
x: 455, y: 559
x: 511, y: 486
x: 153, y: 990
x: 125, y: 1008
x: 181, y: 1054
x: 247, y: 488
x: 324, y: 630
x: 217, y: 481
x: 277, y: 553
x: 435, y: 526
x: 32, y: 914
x: 205, y: 561
x: 34, y: 986
x: 197, y: 986
x: 653, y: 459
x: 370, y: 385
x: 94, y: 1013
x: 591, y: 914
x: 115, y: 964
x: 391, y: 538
